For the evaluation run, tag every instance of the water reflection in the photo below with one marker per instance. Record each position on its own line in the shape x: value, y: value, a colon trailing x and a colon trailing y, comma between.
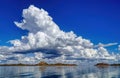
x: 58, y: 72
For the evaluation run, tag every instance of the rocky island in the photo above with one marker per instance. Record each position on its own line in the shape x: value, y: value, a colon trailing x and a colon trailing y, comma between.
x: 106, y: 65
x: 42, y: 63
x: 102, y: 65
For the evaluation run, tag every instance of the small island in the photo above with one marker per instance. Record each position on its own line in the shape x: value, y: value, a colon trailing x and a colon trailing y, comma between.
x: 102, y: 65
x: 115, y: 65
x: 106, y: 65
x: 42, y: 63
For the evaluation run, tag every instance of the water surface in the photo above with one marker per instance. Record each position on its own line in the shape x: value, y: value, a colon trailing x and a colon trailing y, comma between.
x: 59, y: 72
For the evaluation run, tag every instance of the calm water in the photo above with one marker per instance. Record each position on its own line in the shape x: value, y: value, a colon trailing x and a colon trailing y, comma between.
x: 58, y: 72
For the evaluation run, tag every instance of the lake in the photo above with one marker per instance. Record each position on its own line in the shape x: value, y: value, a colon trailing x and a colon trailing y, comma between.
x: 59, y: 72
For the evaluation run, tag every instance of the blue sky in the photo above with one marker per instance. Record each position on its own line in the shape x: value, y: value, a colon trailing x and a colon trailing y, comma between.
x: 98, y: 21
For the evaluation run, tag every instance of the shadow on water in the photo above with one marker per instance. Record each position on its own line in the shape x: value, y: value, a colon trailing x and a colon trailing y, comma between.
x: 52, y: 76
x: 59, y: 72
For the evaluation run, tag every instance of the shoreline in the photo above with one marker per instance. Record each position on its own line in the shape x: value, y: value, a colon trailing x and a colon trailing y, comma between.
x: 39, y: 64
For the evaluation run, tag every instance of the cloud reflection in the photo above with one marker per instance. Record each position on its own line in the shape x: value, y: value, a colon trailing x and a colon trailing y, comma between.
x: 59, y: 72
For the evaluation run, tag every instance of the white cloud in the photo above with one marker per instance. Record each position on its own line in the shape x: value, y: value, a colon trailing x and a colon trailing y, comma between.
x: 38, y: 55
x: 118, y: 47
x: 47, y: 42
x: 105, y: 45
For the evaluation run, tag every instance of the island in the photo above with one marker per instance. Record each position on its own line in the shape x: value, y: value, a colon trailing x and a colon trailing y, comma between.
x: 42, y: 63
x: 102, y: 65
x: 106, y: 65
x: 115, y: 65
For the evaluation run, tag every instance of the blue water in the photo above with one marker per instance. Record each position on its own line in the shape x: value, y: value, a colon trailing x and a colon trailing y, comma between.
x: 58, y: 72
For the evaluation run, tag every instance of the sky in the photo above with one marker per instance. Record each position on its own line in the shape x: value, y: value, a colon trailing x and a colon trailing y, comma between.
x: 95, y: 20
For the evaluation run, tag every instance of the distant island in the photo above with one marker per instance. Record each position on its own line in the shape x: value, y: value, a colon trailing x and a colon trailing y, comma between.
x: 106, y: 65
x: 102, y: 64
x: 42, y: 63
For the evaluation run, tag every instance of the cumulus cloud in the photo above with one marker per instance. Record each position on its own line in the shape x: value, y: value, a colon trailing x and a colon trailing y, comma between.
x: 46, y: 41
